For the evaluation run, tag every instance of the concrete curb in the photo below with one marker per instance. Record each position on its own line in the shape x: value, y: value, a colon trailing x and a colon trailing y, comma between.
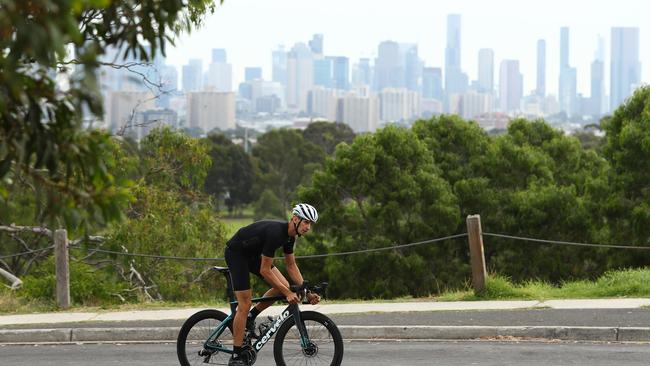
x: 606, y: 334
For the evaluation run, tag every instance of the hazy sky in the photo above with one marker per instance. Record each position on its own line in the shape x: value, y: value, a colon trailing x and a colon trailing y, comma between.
x: 250, y: 29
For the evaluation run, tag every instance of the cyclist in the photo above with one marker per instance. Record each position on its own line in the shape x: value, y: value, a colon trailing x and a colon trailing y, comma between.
x: 251, y: 250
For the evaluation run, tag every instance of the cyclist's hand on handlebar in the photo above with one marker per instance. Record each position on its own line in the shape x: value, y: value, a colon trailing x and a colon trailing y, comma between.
x: 313, y: 298
x: 292, y: 298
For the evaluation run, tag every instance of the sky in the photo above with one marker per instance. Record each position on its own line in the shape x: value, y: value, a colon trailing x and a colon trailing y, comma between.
x: 250, y: 29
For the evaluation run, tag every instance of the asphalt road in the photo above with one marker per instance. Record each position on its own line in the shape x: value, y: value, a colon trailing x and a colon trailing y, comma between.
x: 537, y: 317
x: 356, y: 353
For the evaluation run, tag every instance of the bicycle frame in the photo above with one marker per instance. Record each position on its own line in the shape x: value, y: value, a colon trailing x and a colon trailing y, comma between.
x: 289, y: 311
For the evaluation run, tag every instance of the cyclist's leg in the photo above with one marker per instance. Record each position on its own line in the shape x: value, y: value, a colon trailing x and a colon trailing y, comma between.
x: 239, y: 271
x: 261, y: 306
x: 239, y: 323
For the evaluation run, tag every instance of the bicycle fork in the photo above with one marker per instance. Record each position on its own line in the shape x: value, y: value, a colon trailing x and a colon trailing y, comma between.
x: 308, y: 348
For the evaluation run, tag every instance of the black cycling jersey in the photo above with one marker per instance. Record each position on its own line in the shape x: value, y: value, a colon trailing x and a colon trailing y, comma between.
x: 262, y: 238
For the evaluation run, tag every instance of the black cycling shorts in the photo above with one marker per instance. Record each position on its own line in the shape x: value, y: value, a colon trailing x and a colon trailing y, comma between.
x: 240, y: 267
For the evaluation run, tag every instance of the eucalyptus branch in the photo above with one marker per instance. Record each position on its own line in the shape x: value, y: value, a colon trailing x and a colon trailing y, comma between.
x: 26, y: 229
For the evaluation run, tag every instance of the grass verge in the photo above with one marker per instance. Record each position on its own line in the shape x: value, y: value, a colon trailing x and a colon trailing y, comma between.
x: 623, y: 283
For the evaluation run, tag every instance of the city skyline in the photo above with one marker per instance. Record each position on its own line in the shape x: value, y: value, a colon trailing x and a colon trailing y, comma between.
x: 261, y: 26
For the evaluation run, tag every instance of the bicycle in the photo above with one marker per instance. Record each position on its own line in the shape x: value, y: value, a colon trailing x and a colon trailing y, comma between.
x: 301, y: 337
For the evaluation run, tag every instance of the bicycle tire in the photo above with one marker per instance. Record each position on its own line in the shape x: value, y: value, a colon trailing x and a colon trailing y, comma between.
x: 327, y: 342
x: 193, y: 334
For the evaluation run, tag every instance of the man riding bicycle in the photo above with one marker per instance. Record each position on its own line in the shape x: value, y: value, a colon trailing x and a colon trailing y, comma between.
x: 251, y: 250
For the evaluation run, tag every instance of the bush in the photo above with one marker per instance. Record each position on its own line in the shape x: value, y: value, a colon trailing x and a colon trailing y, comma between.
x: 88, y: 286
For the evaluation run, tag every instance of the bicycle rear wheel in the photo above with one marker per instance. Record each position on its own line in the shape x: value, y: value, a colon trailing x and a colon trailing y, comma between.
x: 193, y: 334
x: 325, y: 342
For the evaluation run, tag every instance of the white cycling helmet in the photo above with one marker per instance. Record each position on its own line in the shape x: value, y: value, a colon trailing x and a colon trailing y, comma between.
x: 305, y: 212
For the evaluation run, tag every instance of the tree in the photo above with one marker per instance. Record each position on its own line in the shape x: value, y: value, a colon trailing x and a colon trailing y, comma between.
x: 627, y: 148
x: 327, y: 135
x: 542, y: 184
x: 41, y: 122
x: 231, y: 174
x: 381, y: 190
x: 171, y: 216
x: 286, y: 160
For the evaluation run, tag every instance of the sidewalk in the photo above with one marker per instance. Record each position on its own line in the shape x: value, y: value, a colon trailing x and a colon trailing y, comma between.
x: 163, y: 325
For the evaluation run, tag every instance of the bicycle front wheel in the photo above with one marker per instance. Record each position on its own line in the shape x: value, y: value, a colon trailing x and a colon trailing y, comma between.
x: 195, y: 332
x: 325, y: 346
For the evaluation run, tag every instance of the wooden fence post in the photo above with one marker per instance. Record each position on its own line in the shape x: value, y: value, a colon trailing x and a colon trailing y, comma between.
x: 62, y: 268
x: 475, y: 235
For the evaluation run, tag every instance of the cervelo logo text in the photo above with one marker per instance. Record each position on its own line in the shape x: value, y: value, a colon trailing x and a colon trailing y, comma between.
x: 270, y: 332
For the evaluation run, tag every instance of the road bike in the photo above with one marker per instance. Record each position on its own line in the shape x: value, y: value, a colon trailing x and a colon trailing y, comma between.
x: 301, y: 337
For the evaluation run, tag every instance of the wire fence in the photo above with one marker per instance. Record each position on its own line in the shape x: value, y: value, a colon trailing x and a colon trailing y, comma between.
x: 27, y: 253
x: 398, y: 246
x: 570, y: 243
x: 392, y: 247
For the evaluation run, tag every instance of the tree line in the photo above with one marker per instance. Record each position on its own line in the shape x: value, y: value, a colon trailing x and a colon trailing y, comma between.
x: 395, y: 186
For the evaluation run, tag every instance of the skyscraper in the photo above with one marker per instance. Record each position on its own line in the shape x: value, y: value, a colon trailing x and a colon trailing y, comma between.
x: 485, y: 70
x: 193, y: 75
x: 340, y: 72
x: 511, y: 86
x: 300, y: 76
x: 279, y: 62
x: 219, y: 55
x: 316, y: 44
x: 432, y: 83
x: 412, y: 67
x: 455, y: 79
x: 363, y: 73
x: 252, y: 73
x: 625, y: 73
x: 219, y: 75
x: 597, y: 97
x: 389, y: 71
x: 568, y: 76
x: 541, y: 68
x: 323, y: 73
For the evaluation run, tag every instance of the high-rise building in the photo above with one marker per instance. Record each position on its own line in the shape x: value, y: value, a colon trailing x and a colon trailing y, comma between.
x: 432, y: 83
x: 193, y: 75
x: 252, y: 73
x: 568, y: 76
x: 316, y: 44
x: 360, y: 113
x: 413, y: 66
x: 279, y: 68
x: 209, y: 110
x: 169, y: 85
x: 485, y: 70
x: 123, y: 106
x: 261, y: 89
x: 152, y: 118
x: 625, y: 74
x: 511, y: 86
x: 219, y: 77
x: 300, y: 76
x: 455, y: 80
x: 389, y: 70
x: 323, y: 72
x: 219, y: 55
x: 340, y: 72
x: 398, y: 104
x: 362, y: 73
x: 472, y: 104
x: 597, y: 97
x: 323, y: 103
x: 541, y: 68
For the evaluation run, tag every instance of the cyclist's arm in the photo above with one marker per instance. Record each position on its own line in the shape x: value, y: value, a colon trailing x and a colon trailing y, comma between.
x: 292, y: 269
x: 270, y: 277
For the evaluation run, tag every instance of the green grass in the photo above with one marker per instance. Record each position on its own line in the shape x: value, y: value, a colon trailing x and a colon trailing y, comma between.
x: 624, y: 283
x: 614, y: 284
x: 233, y: 224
